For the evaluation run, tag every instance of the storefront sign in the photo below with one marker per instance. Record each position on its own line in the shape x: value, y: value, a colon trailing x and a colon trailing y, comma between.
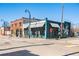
x: 50, y: 29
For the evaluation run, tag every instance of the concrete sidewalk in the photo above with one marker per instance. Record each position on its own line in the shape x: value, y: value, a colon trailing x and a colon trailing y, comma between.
x: 42, y: 47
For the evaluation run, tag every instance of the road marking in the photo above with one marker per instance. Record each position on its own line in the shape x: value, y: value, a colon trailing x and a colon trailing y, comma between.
x: 71, y: 46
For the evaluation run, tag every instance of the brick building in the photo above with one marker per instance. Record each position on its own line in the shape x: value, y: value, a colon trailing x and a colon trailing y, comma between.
x: 38, y: 28
x: 17, y: 26
x: 5, y: 31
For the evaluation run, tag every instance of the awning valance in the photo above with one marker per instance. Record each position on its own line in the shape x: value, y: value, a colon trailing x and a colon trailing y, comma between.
x: 25, y: 25
x: 34, y: 24
x: 54, y: 25
x: 37, y: 24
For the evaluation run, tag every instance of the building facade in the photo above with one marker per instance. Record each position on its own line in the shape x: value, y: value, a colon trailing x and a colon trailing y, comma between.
x: 46, y: 29
x: 17, y: 29
x: 1, y: 31
x: 75, y: 29
x: 5, y: 31
x: 37, y: 28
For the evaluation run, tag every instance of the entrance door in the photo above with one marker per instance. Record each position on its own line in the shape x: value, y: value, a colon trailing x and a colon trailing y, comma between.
x: 20, y: 32
x: 53, y: 32
x: 26, y: 34
x: 17, y: 33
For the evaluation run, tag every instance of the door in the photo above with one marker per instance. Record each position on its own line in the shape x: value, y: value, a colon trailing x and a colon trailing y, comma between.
x: 17, y: 33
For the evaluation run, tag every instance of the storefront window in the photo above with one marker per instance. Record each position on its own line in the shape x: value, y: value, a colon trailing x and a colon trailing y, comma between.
x: 15, y: 24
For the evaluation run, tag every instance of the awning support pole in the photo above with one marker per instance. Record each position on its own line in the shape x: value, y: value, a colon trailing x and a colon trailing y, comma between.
x: 45, y: 28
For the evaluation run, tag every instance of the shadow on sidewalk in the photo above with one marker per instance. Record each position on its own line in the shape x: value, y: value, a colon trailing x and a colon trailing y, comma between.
x: 71, y: 54
x: 19, y: 53
x: 26, y: 46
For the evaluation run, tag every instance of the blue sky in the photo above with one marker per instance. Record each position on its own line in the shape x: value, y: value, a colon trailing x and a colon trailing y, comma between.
x: 12, y: 11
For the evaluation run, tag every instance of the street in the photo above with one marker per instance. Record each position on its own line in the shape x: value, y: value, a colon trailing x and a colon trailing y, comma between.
x: 13, y: 46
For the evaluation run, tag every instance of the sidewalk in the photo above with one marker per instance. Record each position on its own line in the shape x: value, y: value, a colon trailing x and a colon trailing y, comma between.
x: 40, y: 47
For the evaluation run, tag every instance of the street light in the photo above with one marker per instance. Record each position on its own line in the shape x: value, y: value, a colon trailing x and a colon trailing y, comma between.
x: 26, y: 10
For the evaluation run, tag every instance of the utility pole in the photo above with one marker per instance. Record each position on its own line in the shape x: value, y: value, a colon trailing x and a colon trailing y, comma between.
x: 62, y: 21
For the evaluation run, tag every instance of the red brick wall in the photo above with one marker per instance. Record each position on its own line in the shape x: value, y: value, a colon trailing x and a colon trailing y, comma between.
x: 16, y: 24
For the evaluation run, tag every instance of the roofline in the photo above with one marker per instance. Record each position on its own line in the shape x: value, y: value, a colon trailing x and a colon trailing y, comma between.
x: 22, y: 18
